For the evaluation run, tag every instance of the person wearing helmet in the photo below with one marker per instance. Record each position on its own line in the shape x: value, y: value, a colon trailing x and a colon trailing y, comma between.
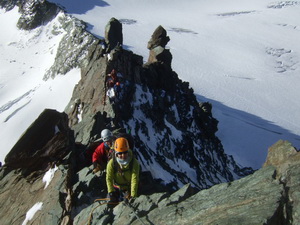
x: 122, y: 172
x: 102, y: 153
x: 114, y: 86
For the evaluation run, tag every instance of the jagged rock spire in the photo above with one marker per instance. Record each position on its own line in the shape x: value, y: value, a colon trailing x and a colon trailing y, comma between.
x: 158, y: 38
x: 113, y: 34
x: 157, y: 44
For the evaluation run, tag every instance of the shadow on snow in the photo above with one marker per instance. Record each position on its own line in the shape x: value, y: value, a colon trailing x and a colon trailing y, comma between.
x: 245, y: 136
x: 79, y: 6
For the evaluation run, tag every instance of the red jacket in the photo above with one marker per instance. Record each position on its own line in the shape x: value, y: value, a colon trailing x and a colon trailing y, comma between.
x: 100, y: 155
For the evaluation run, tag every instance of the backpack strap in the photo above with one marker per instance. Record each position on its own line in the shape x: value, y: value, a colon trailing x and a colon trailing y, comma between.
x: 117, y: 168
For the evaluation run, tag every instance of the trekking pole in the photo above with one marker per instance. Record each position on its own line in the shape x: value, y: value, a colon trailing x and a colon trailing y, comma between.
x: 134, y: 212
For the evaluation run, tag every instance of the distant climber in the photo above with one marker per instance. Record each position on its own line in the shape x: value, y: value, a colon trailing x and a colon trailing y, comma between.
x: 122, y: 173
x: 112, y: 79
x: 114, y: 84
x: 103, y: 152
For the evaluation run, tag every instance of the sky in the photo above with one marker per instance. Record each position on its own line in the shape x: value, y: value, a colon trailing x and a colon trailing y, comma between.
x: 242, y: 56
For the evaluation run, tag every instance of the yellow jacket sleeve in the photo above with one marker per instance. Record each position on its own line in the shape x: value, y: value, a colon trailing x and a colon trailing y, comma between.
x: 110, y: 176
x: 135, y: 178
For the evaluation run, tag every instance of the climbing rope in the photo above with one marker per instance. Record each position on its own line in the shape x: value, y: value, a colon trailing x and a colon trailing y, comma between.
x: 126, y: 203
x: 106, y: 201
x: 101, y: 199
x: 103, y: 203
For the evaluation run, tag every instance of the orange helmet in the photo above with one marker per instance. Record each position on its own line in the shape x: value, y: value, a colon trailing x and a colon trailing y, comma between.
x: 121, y: 145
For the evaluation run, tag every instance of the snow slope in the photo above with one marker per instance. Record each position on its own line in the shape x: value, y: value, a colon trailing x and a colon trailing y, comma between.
x: 240, y: 55
x: 24, y: 58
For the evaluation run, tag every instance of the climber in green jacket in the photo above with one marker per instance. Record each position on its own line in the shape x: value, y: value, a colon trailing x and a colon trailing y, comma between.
x: 122, y: 172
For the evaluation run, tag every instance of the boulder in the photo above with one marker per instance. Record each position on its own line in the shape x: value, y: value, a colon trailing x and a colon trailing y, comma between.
x: 47, y: 141
x: 160, y: 54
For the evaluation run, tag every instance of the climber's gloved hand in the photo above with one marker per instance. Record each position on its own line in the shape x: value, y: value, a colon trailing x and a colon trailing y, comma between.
x: 97, y: 167
x: 127, y: 197
x: 113, y: 197
x: 131, y: 200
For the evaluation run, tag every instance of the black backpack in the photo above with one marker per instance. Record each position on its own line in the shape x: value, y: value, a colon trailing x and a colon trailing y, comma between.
x: 121, y: 132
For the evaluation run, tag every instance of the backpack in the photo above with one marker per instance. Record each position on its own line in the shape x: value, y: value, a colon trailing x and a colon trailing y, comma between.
x: 121, y: 132
x: 89, y: 151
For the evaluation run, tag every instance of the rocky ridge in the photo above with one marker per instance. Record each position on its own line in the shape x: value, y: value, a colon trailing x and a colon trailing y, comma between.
x: 269, y: 197
x: 169, y: 126
x: 174, y: 134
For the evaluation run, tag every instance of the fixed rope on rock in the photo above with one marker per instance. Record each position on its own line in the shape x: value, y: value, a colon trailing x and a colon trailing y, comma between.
x: 135, y: 212
x: 106, y: 201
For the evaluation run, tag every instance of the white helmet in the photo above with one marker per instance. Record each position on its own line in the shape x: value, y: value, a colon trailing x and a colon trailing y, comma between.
x: 106, y: 135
